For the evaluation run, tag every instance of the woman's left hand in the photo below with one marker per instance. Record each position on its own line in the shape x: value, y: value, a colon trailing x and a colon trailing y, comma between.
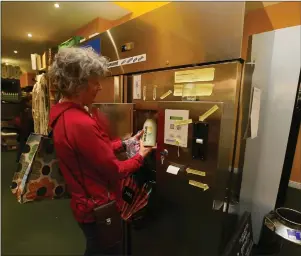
x: 136, y: 137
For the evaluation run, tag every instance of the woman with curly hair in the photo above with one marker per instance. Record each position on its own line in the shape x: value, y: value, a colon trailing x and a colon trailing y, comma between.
x: 81, y: 138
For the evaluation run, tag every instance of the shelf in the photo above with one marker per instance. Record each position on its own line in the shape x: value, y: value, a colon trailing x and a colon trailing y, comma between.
x: 10, y: 102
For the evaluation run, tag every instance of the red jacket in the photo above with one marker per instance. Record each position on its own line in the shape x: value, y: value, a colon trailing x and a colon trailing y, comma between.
x: 83, y: 146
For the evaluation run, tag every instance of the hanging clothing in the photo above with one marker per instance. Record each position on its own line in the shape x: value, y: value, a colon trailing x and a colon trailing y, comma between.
x: 40, y: 105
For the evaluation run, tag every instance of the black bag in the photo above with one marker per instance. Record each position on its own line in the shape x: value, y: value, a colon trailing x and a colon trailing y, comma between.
x: 109, y: 225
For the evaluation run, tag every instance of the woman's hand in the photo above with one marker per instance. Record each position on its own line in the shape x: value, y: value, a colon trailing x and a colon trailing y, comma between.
x: 136, y: 137
x: 144, y: 151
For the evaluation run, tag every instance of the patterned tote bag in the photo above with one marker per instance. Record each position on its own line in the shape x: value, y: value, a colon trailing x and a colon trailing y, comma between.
x: 38, y: 175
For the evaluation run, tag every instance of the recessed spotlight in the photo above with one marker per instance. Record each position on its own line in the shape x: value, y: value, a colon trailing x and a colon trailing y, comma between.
x: 56, y: 5
x: 29, y: 35
x: 16, y: 52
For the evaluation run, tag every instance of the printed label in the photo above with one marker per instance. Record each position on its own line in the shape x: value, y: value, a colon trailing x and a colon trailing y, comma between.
x: 127, y: 61
x: 183, y: 122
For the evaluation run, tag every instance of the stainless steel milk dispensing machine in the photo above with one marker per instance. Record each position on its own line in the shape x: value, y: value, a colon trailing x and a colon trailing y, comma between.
x: 182, y: 65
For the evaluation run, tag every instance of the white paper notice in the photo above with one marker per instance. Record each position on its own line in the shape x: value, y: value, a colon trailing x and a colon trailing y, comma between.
x: 33, y: 61
x: 173, y: 169
x: 255, y: 112
x: 137, y: 87
x: 176, y: 135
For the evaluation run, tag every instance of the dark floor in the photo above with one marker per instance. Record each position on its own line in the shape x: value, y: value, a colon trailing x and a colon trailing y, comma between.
x: 48, y: 228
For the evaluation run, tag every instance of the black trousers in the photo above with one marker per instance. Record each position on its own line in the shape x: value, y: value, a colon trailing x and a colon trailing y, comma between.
x: 92, y: 245
x: 90, y: 233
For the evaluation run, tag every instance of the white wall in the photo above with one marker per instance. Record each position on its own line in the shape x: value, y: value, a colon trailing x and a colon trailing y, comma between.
x: 277, y: 57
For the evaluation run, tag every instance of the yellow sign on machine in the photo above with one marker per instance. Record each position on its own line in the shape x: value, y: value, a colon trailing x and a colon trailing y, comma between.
x: 194, y: 75
x: 183, y: 122
x: 166, y: 94
x: 195, y: 172
x: 178, y: 90
x: 198, y: 184
x: 208, y: 113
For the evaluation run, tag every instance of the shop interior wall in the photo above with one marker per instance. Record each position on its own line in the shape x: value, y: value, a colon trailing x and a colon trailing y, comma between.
x: 27, y: 79
x: 277, y: 69
x: 269, y: 18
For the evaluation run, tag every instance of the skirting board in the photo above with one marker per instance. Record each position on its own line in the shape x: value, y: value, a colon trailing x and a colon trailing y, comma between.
x: 294, y: 184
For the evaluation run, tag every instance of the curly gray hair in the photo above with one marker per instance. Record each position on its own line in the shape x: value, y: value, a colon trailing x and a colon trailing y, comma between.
x: 73, y: 66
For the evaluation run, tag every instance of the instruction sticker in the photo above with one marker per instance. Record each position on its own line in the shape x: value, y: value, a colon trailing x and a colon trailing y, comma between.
x: 166, y: 94
x: 195, y: 75
x: 208, y: 113
x: 189, y: 90
x: 203, y: 89
x: 198, y: 185
x: 178, y: 90
x: 195, y: 172
x: 176, y: 135
x: 183, y: 122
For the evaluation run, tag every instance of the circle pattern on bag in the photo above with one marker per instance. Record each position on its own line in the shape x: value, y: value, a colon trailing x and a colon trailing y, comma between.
x: 26, y: 149
x: 46, y: 170
x: 14, y: 185
x: 41, y: 191
x: 59, y: 190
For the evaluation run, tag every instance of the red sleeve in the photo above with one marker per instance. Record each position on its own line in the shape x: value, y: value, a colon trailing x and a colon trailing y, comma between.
x: 116, y: 145
x: 97, y: 150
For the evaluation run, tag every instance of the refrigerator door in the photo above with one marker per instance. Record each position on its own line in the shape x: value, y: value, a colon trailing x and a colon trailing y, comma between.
x: 120, y: 117
x: 179, y: 33
x: 187, y: 181
x: 200, y: 157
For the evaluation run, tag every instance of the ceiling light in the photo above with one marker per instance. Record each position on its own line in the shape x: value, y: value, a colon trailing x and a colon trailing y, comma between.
x: 29, y: 35
x: 16, y: 52
x: 56, y: 5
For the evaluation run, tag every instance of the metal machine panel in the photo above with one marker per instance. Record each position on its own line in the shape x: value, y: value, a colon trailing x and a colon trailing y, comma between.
x: 179, y: 33
x: 112, y: 90
x: 226, y: 89
x: 120, y: 117
x: 181, y: 218
x: 225, y: 82
x: 176, y: 188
